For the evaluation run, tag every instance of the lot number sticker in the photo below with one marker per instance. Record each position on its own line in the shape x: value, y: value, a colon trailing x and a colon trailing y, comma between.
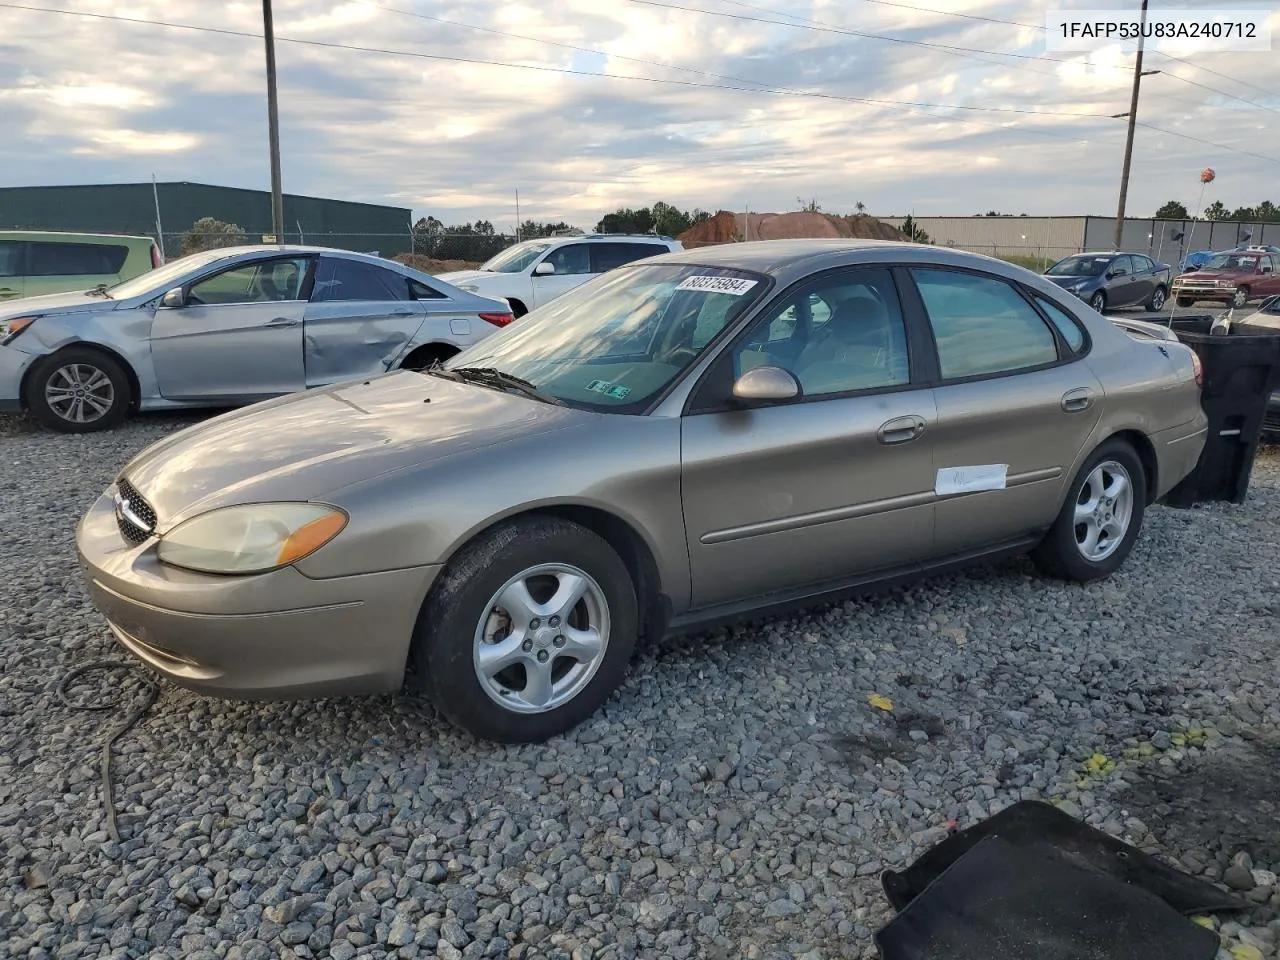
x: 986, y: 476
x: 734, y: 286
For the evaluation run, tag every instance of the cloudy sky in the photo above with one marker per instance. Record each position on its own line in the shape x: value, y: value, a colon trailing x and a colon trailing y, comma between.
x: 412, y: 120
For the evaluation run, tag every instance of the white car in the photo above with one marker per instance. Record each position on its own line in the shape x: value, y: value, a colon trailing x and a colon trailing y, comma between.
x: 537, y: 271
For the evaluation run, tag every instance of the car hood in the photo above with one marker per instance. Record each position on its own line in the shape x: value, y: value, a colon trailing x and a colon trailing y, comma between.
x: 1070, y: 281
x: 53, y: 303
x: 459, y: 277
x: 306, y: 445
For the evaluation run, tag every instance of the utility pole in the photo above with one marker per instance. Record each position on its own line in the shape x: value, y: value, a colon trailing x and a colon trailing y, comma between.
x: 1133, y: 122
x: 517, y: 216
x: 273, y: 125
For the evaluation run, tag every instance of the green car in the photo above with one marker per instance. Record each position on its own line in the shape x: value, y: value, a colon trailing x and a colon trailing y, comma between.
x: 34, y: 263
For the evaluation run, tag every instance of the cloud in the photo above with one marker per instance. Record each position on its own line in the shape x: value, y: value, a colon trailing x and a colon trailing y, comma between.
x: 414, y: 123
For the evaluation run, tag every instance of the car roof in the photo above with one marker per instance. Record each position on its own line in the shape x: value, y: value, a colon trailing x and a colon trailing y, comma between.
x: 66, y: 236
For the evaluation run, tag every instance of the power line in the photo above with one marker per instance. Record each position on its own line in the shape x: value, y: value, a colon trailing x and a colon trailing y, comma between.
x: 923, y: 106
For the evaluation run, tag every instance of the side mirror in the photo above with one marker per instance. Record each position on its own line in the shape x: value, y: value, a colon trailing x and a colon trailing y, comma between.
x: 174, y: 298
x: 544, y: 269
x: 763, y: 384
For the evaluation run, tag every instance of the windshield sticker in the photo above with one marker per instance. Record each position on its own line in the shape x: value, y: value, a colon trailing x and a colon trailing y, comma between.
x: 615, y: 390
x: 734, y: 286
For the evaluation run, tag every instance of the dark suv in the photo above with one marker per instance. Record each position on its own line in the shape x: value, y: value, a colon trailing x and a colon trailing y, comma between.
x: 1113, y: 279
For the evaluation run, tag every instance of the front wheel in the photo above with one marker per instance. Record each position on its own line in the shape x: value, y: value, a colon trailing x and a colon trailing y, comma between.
x: 1185, y: 301
x: 528, y: 631
x: 1098, y: 301
x: 1100, y: 520
x: 78, y: 390
x: 1240, y: 297
x: 1156, y: 303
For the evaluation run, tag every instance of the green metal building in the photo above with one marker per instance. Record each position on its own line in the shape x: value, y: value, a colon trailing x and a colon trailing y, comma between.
x: 131, y: 208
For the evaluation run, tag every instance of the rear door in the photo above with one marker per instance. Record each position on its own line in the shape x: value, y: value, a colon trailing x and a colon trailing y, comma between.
x: 359, y: 319
x: 833, y: 484
x: 12, y: 273
x: 239, y: 336
x: 1123, y: 290
x: 1144, y: 278
x: 1015, y: 401
x: 65, y: 267
x: 572, y: 264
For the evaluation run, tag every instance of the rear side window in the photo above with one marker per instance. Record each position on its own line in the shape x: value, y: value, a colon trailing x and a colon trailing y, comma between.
x: 339, y: 279
x: 10, y: 258
x: 982, y: 325
x: 606, y: 256
x: 1067, y: 326
x: 75, y: 259
x: 420, y: 291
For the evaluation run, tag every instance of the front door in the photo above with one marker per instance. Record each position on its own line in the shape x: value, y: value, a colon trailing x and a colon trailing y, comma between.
x: 1015, y: 407
x: 572, y: 264
x: 1124, y: 290
x: 833, y: 484
x: 238, y: 336
x: 12, y: 257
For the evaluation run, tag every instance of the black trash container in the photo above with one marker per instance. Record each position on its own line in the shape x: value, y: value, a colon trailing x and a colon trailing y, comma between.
x: 1241, y: 369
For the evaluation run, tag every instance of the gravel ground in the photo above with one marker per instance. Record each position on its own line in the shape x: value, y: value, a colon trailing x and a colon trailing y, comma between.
x: 737, y: 798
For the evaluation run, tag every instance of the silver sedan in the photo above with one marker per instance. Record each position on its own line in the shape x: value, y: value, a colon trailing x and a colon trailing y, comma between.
x: 229, y: 327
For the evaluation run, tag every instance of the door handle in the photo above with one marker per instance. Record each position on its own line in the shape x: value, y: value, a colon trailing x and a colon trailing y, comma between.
x: 402, y: 313
x: 1073, y: 401
x: 900, y: 430
x: 282, y: 322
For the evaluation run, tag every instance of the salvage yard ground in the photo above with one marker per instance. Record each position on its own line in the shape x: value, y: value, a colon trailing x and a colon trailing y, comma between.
x: 738, y: 798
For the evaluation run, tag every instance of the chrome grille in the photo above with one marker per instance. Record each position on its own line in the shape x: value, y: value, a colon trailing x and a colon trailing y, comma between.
x: 134, y: 516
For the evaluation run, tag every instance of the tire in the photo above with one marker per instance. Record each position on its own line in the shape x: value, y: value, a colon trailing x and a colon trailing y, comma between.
x: 1240, y: 297
x: 518, y: 309
x: 1098, y: 301
x: 1185, y: 301
x: 103, y: 389
x: 1061, y: 554
x: 464, y: 612
x: 1156, y: 303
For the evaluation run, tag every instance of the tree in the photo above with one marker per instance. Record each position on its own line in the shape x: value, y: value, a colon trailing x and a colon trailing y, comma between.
x: 663, y: 218
x: 860, y: 207
x: 1173, y: 210
x: 1242, y: 213
x: 809, y: 206
x: 910, y: 228
x: 1215, y: 211
x: 1268, y: 212
x: 209, y: 233
x: 532, y: 228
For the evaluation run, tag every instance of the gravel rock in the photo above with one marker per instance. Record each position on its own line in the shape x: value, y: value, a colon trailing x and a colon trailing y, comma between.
x: 1238, y: 877
x: 737, y: 797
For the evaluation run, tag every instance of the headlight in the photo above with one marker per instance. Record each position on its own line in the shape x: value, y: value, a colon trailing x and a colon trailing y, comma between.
x: 1226, y: 283
x: 11, y: 328
x: 253, y: 538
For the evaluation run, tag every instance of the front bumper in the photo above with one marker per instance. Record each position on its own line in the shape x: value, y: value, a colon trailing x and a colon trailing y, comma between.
x: 277, y: 635
x: 13, y: 366
x: 1215, y: 294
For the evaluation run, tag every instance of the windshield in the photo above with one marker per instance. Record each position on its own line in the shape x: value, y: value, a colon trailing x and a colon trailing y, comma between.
x: 1079, y: 267
x: 1231, y: 261
x: 619, y: 340
x: 156, y: 281
x: 515, y: 259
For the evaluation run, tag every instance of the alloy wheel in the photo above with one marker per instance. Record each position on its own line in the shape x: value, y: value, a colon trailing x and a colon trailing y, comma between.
x: 1103, y: 511
x: 1157, y: 301
x: 1098, y: 301
x: 80, y: 393
x: 541, y: 638
x: 1240, y: 297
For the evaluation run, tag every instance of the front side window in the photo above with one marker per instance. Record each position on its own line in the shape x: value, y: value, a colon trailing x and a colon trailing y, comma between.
x: 269, y: 281
x: 75, y: 259
x: 1083, y: 266
x: 842, y: 334
x: 10, y: 258
x: 339, y: 279
x: 982, y: 325
x: 1123, y: 266
x: 573, y: 258
x: 617, y: 341
x: 516, y: 259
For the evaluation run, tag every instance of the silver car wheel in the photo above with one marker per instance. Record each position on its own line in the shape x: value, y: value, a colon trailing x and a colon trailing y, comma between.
x: 1157, y: 300
x: 1104, y: 510
x: 80, y: 393
x: 541, y: 638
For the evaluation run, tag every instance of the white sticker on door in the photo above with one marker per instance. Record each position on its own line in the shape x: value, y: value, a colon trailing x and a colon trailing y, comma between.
x: 734, y: 286
x: 983, y: 476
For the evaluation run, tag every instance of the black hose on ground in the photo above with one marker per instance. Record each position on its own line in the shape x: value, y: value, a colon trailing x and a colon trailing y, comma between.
x: 151, y: 691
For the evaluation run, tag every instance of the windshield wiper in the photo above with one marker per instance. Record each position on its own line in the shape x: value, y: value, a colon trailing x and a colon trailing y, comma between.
x: 99, y: 291
x: 491, y: 376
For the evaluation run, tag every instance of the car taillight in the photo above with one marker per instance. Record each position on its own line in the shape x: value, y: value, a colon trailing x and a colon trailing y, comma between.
x: 498, y: 319
x: 1198, y: 367
x: 156, y: 259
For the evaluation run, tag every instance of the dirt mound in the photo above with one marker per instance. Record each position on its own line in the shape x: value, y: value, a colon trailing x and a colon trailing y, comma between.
x: 430, y: 265
x: 728, y: 227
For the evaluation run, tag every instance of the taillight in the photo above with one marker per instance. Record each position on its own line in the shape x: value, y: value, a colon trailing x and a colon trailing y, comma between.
x: 156, y: 259
x: 1198, y: 367
x: 498, y: 319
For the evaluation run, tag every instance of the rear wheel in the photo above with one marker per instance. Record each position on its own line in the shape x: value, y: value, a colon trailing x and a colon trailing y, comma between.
x: 79, y: 390
x: 1240, y: 297
x: 1098, y: 301
x: 1100, y: 519
x: 1156, y: 303
x: 528, y: 631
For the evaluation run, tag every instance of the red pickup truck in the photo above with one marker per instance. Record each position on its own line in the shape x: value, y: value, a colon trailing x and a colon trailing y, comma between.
x: 1235, y: 277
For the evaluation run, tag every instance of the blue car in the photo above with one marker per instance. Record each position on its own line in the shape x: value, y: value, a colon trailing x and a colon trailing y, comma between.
x: 1113, y: 279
